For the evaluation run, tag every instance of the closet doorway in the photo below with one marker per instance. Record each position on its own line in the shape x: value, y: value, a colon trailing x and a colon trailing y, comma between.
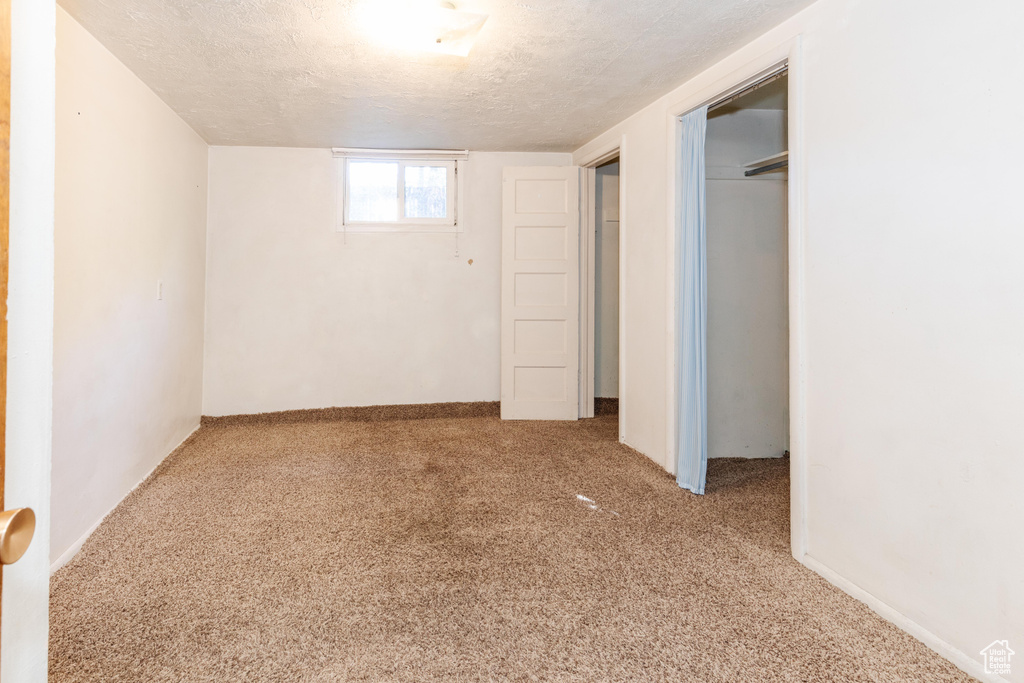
x: 732, y: 345
x: 600, y: 242
x: 606, y: 287
x: 600, y: 291
x: 747, y: 274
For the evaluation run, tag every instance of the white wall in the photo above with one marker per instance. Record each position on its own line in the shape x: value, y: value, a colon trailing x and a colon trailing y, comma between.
x: 910, y: 330
x: 301, y: 316
x: 26, y: 585
x: 130, y: 211
x: 606, y: 282
x: 748, y: 317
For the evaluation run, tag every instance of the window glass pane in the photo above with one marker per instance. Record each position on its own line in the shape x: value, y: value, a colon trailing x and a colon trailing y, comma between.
x: 426, y: 191
x: 372, y: 191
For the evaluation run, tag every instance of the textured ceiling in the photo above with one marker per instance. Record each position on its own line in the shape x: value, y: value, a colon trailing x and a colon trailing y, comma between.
x: 543, y: 75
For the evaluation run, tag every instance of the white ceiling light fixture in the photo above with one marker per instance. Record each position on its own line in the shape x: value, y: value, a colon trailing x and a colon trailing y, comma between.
x: 421, y: 25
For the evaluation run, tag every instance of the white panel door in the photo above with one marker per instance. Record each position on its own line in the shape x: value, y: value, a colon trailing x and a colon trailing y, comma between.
x: 540, y: 288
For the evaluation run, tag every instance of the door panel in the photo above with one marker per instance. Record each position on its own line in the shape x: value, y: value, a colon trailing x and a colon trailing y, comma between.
x: 540, y: 293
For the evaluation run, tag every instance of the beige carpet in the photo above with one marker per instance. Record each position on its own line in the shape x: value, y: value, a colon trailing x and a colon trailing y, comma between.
x: 348, y: 548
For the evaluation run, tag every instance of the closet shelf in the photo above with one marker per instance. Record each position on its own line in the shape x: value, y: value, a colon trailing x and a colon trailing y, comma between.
x: 773, y: 159
x: 772, y: 163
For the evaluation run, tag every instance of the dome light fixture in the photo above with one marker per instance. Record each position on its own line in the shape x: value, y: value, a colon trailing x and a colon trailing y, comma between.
x: 421, y: 25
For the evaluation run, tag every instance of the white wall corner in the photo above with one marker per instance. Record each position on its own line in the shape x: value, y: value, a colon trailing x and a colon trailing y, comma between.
x: 960, y: 659
x: 70, y: 553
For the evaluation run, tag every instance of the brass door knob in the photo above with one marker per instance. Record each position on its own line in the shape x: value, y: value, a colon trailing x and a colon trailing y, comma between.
x: 16, y: 529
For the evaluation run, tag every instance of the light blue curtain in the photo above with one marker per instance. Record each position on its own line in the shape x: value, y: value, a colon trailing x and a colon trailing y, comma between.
x: 691, y: 266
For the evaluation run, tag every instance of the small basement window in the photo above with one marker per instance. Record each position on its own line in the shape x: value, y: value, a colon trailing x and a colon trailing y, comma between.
x: 398, y: 190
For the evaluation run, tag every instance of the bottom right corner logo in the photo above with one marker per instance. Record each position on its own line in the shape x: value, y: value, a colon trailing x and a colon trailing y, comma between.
x: 997, y: 657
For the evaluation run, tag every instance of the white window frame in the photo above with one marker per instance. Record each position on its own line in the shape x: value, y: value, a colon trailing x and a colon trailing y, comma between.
x: 450, y: 159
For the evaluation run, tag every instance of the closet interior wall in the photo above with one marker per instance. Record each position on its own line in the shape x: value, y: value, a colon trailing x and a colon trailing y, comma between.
x: 748, y: 331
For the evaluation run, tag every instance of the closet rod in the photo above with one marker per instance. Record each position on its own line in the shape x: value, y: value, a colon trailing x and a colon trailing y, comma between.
x: 749, y: 89
x: 764, y: 169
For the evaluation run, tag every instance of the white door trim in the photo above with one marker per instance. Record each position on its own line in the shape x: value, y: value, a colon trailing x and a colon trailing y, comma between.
x: 603, y: 155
